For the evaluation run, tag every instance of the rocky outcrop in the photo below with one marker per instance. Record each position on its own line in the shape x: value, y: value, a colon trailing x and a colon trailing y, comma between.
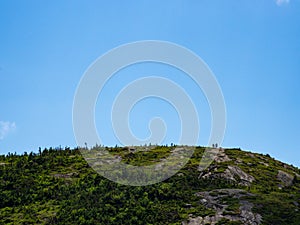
x: 236, y: 174
x: 221, y: 156
x: 285, y: 178
x: 203, y: 220
x: 215, y: 200
x: 232, y: 173
x: 210, y: 155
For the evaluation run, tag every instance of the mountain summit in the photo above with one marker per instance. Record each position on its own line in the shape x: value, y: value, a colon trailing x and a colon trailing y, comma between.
x: 59, y: 186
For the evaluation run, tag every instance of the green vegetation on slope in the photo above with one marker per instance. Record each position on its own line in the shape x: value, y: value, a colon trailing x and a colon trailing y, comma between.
x: 57, y: 186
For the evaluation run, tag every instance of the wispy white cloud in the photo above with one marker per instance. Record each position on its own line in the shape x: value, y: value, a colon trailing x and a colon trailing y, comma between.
x: 6, y: 127
x: 281, y: 2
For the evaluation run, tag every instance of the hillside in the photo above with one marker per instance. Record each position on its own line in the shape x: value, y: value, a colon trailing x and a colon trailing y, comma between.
x: 57, y: 186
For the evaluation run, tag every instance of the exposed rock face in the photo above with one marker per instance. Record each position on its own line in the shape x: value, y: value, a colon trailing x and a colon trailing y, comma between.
x: 203, y: 220
x: 265, y: 164
x: 215, y: 200
x: 247, y: 216
x: 212, y: 154
x: 221, y: 156
x: 285, y: 178
x: 232, y: 173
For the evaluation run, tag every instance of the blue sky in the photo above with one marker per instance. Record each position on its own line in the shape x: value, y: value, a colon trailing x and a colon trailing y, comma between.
x: 252, y: 47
